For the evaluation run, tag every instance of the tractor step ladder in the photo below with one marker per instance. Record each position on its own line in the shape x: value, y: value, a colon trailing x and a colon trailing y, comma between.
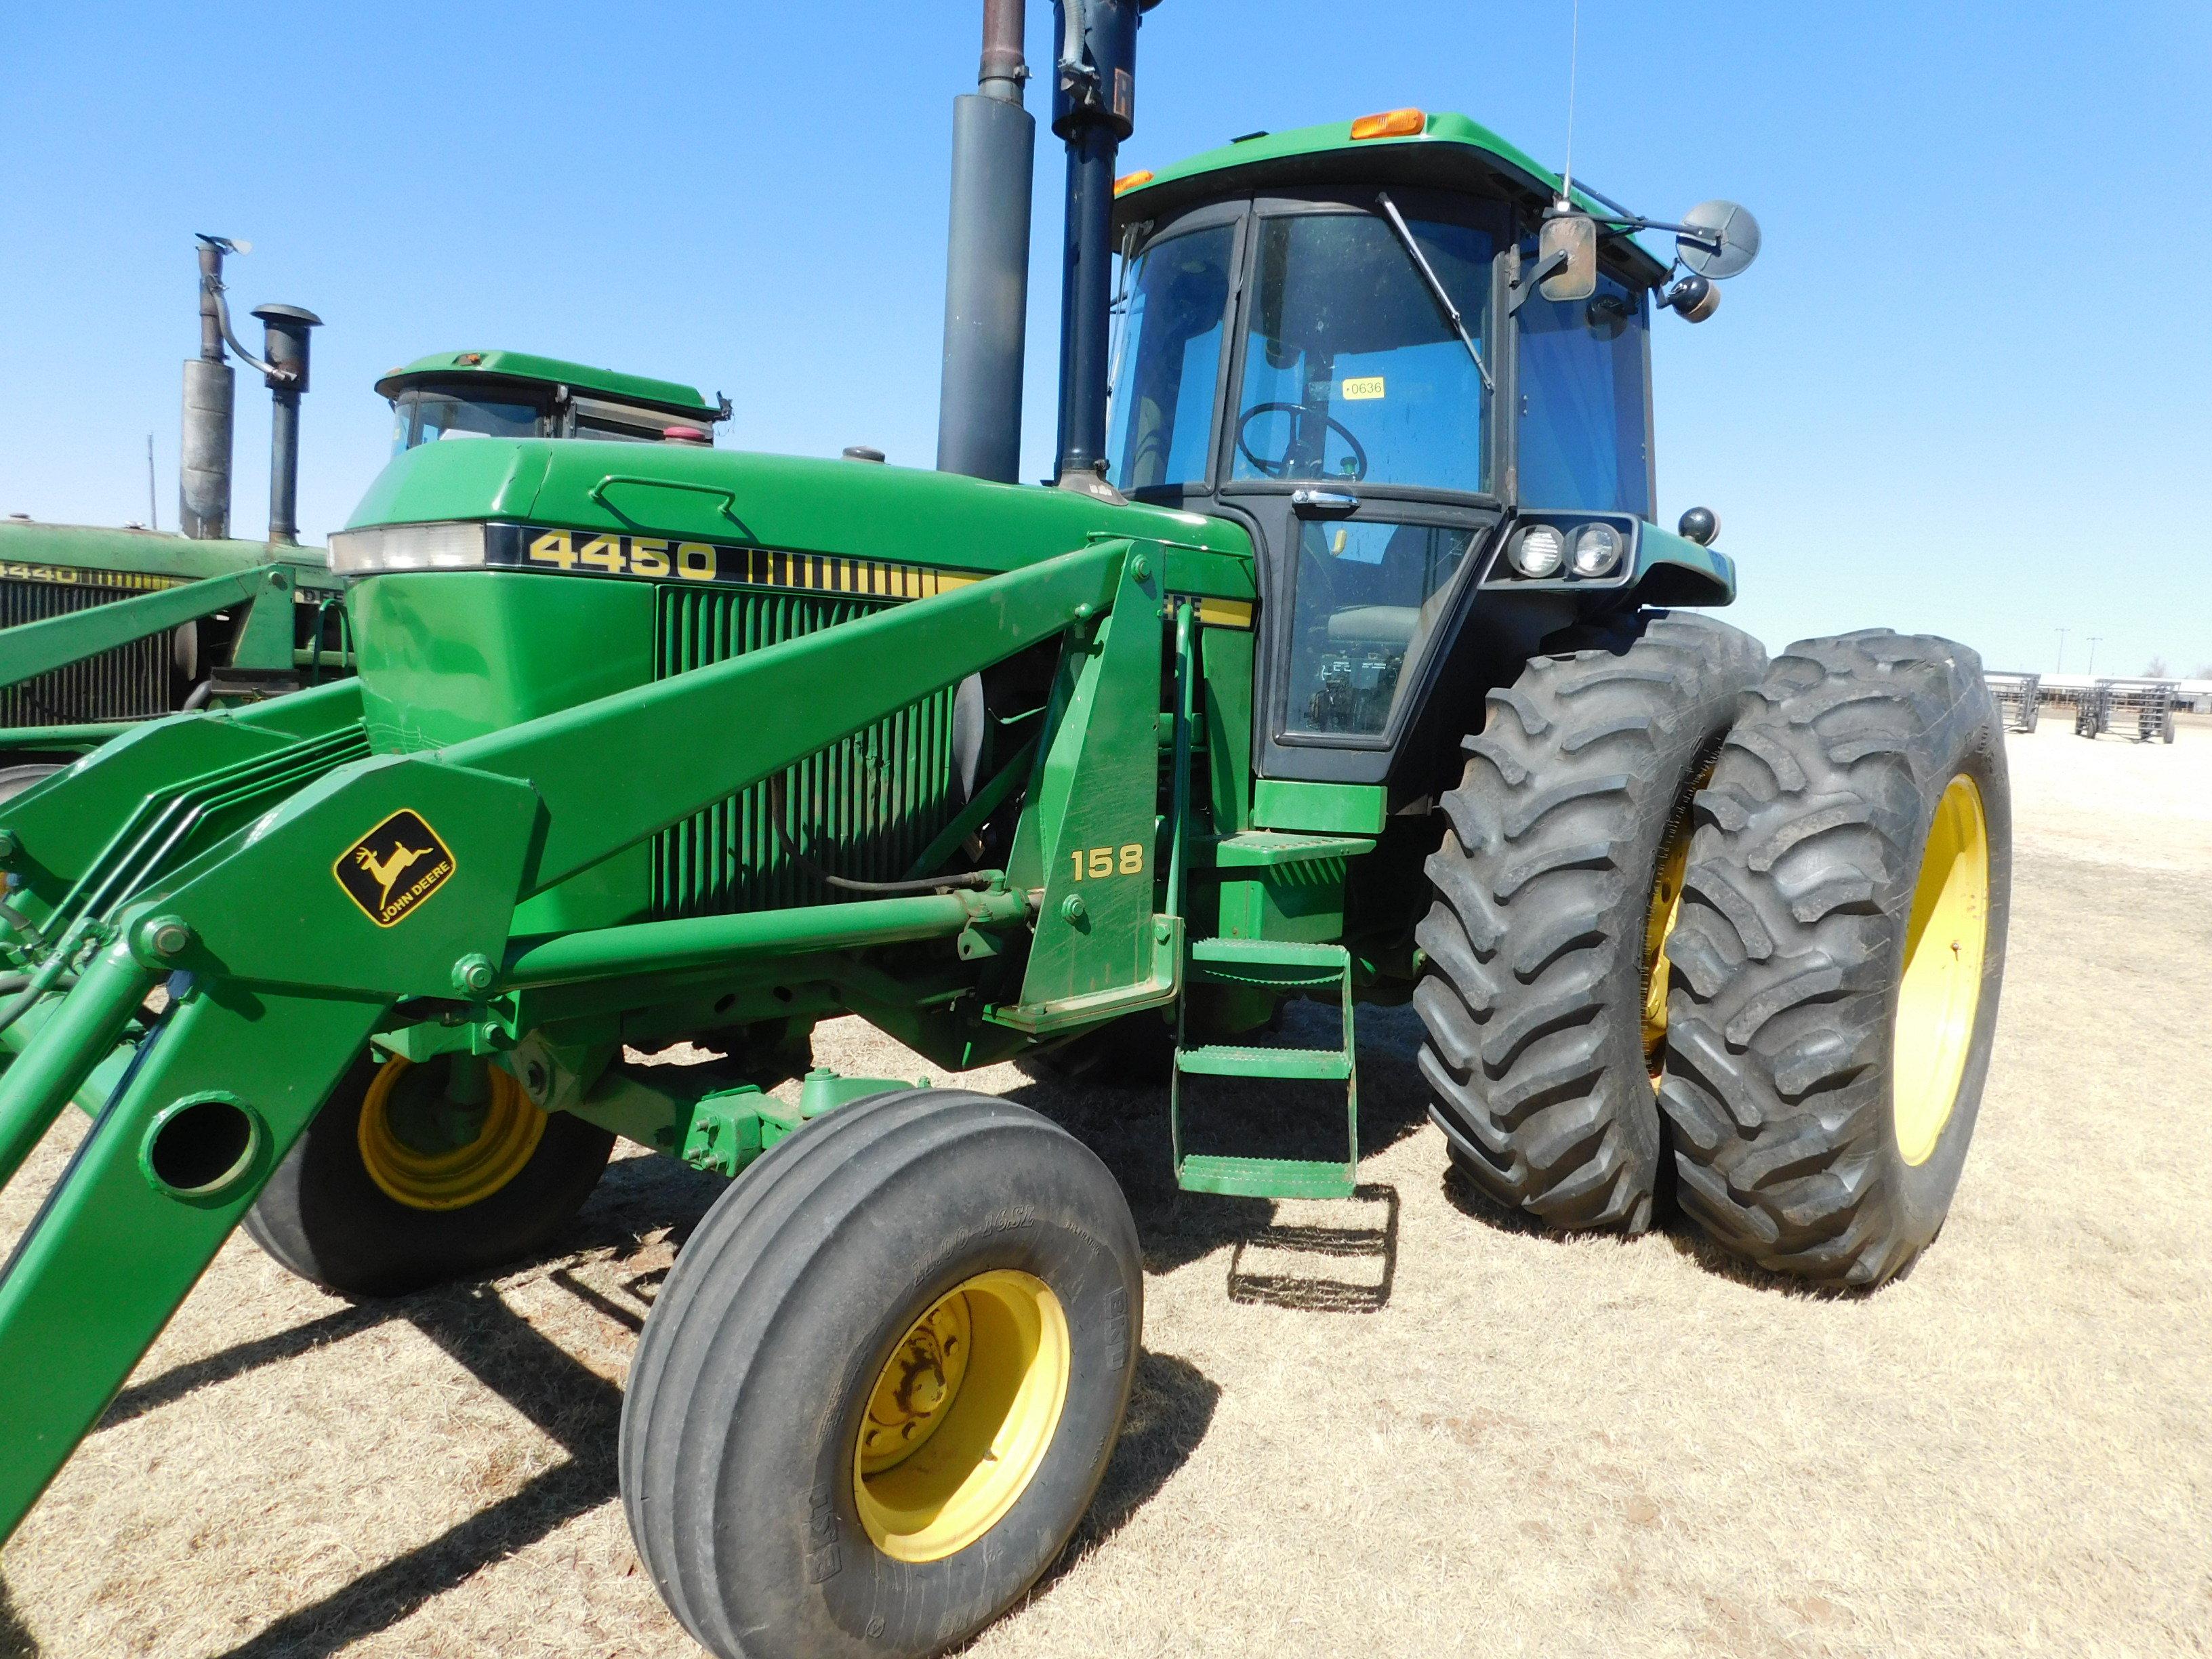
x: 1282, y: 966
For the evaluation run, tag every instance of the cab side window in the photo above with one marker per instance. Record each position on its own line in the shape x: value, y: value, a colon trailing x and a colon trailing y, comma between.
x: 1585, y: 436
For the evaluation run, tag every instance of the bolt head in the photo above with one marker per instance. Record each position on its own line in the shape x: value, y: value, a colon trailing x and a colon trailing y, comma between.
x: 7, y: 844
x: 1140, y: 568
x: 473, y: 973
x: 1072, y: 907
x: 168, y: 935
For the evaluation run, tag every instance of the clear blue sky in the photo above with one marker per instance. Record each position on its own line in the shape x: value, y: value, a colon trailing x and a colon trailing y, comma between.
x: 1966, y: 389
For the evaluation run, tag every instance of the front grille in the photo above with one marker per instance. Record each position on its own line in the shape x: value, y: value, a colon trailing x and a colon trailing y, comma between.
x: 129, y: 683
x: 865, y: 808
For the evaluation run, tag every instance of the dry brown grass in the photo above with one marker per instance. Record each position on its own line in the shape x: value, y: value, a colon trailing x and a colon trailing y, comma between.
x: 1522, y: 1445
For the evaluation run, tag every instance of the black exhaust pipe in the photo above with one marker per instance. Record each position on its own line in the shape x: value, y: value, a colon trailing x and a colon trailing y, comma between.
x: 285, y: 374
x: 1093, y: 109
x: 987, y: 265
x: 203, y: 473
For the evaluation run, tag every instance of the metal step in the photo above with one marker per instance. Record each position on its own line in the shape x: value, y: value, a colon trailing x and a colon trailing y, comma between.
x: 1266, y: 1177
x: 1279, y: 964
x: 1286, y: 964
x: 1320, y: 1065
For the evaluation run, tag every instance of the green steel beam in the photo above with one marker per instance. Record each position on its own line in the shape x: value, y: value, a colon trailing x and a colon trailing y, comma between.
x: 701, y: 941
x: 39, y: 648
x: 112, y: 1251
x: 80, y: 1033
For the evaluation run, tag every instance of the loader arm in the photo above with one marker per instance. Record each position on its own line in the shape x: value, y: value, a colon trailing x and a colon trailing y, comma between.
x: 279, y: 969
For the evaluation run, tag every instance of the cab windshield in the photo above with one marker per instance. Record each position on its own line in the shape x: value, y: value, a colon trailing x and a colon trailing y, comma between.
x: 424, y: 416
x: 1352, y: 370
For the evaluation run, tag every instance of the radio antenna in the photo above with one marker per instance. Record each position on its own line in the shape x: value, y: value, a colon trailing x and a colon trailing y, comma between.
x: 1574, y: 52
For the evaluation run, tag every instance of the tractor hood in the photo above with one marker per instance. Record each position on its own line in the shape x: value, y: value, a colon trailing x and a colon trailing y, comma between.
x: 851, y: 509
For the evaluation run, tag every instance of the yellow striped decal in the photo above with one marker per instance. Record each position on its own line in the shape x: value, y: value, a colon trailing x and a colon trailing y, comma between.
x: 665, y: 559
x: 67, y: 575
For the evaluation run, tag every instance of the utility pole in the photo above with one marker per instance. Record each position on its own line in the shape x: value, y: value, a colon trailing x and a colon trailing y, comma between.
x: 2093, y: 638
x: 153, y: 502
x: 2061, y: 651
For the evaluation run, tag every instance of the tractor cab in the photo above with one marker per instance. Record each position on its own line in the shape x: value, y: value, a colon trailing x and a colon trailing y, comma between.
x: 513, y: 394
x: 1358, y: 342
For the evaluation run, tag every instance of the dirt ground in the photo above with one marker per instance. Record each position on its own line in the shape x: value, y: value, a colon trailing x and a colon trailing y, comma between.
x: 1404, y: 1424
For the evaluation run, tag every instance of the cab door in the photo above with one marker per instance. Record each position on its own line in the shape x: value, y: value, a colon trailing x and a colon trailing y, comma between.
x: 1358, y: 441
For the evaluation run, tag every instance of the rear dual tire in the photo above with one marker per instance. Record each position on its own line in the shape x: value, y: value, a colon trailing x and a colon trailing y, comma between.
x: 1838, y: 956
x: 1542, y: 941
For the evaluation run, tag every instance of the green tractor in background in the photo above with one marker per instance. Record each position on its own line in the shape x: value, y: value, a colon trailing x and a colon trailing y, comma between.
x: 1345, y: 662
x: 101, y: 629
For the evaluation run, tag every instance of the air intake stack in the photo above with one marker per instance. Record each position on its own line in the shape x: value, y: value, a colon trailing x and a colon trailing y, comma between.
x: 987, y: 265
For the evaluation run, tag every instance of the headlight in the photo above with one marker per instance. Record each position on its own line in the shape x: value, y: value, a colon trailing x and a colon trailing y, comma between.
x: 1597, y: 549
x: 407, y: 547
x: 1539, y: 551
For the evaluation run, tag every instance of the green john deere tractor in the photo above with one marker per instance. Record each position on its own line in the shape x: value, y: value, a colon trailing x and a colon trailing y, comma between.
x: 1344, y: 662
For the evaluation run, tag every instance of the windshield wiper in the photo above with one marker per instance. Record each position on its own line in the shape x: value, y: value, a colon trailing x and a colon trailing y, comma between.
x: 1421, y: 265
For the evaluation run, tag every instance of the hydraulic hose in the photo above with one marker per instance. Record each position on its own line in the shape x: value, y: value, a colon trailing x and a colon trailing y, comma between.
x: 974, y: 878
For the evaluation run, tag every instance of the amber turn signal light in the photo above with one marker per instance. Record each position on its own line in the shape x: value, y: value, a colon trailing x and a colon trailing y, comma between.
x: 1390, y: 123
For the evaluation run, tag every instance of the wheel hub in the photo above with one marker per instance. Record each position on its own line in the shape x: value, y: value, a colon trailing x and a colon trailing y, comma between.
x: 962, y: 1416
x: 1939, y: 993
x: 428, y: 1150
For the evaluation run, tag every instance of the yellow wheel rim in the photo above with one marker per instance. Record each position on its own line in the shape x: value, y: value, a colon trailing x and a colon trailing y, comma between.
x: 960, y: 1420
x: 450, y: 1177
x: 1939, y: 991
x: 1659, y: 923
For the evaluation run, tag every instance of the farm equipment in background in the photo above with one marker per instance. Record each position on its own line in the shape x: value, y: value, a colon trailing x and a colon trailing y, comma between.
x: 2018, y: 699
x: 101, y: 629
x: 1345, y: 661
x: 2151, y: 701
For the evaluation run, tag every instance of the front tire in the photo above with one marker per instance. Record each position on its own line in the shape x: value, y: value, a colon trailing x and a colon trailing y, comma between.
x: 1839, y: 957
x: 813, y: 1330
x: 1544, y: 994
x: 368, y: 1204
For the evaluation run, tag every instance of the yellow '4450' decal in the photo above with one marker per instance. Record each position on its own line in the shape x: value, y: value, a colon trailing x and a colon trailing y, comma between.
x: 626, y: 556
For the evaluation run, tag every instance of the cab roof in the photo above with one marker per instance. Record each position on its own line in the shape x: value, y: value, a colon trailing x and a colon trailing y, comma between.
x: 1450, y: 152
x: 445, y: 367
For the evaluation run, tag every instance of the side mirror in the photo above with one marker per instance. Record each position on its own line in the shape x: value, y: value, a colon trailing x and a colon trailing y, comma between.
x: 1571, y: 237
x: 1717, y: 240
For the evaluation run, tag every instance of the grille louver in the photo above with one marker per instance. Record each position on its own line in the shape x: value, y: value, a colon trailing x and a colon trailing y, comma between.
x: 865, y: 809
x: 129, y: 683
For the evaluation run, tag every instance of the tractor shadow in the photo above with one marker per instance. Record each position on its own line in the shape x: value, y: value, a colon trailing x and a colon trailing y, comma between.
x: 1127, y: 1128
x: 1668, y: 1224
x: 17, y: 1641
x: 473, y: 1325
x: 620, y: 1239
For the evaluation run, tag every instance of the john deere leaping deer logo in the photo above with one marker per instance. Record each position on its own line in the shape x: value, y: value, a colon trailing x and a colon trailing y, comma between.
x: 394, y: 867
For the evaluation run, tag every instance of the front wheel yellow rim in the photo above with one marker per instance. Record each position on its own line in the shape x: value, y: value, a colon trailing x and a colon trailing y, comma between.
x: 1938, y: 993
x: 962, y: 1416
x: 454, y: 1177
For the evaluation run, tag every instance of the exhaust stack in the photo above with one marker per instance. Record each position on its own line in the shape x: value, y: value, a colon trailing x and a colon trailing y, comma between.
x: 1093, y: 109
x: 987, y: 265
x: 203, y: 477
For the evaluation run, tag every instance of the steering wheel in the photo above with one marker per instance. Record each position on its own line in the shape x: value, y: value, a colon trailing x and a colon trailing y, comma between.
x: 1281, y: 468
